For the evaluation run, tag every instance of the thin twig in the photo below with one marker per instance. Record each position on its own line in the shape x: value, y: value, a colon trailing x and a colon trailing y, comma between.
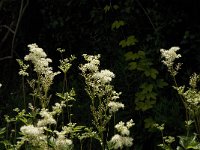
x: 21, y: 12
x: 151, y: 22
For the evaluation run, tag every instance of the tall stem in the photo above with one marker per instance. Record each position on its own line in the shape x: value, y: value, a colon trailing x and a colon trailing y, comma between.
x: 24, y: 95
x: 182, y: 99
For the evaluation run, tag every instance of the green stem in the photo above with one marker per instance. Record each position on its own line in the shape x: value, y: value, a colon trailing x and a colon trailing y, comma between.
x: 90, y: 144
x: 24, y: 97
x: 182, y: 99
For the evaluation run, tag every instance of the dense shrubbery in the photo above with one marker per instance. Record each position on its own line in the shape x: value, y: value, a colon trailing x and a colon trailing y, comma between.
x: 128, y: 34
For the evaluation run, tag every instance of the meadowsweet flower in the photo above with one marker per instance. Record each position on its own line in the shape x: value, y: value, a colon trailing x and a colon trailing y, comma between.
x: 115, y: 106
x: 119, y: 141
x: 23, y: 68
x: 0, y: 85
x: 169, y: 58
x: 30, y: 130
x: 92, y: 65
x: 38, y: 57
x: 124, y: 129
x: 47, y: 118
x: 57, y: 109
x: 47, y: 79
x: 193, y: 80
x: 104, y: 76
x: 34, y: 135
x: 61, y: 141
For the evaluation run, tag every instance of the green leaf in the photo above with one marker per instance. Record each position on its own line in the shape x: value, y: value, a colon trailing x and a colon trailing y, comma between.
x: 153, y: 73
x: 117, y: 24
x: 131, y: 56
x: 161, y: 83
x: 122, y: 43
x: 131, y: 40
x: 106, y: 8
x: 132, y: 65
x: 189, y: 142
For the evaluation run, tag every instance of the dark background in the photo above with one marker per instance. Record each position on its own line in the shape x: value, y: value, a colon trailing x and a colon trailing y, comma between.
x: 83, y: 26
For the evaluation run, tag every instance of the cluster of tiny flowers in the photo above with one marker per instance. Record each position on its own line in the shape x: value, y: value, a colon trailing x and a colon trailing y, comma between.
x: 104, y: 76
x: 41, y: 65
x: 23, y: 68
x: 192, y: 94
x: 38, y: 57
x: 170, y: 56
x: 47, y: 118
x: 31, y: 130
x: 124, y: 129
x: 57, y: 109
x: 61, y: 141
x: 193, y: 80
x: 100, y: 81
x: 92, y: 65
x: 34, y: 135
x: 114, y: 106
x: 122, y: 140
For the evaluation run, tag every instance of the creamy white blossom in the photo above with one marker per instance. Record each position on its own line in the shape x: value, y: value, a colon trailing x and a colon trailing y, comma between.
x: 114, y: 106
x: 61, y: 141
x: 0, y: 85
x: 169, y: 58
x: 38, y: 57
x: 47, y: 118
x: 119, y: 141
x: 31, y: 130
x: 92, y: 65
x: 104, y: 76
x: 170, y: 55
x: 124, y: 129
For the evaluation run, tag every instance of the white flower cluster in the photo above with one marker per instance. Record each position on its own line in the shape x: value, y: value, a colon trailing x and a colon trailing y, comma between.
x: 115, y: 106
x: 170, y: 56
x: 38, y: 57
x: 92, y: 65
x: 100, y: 81
x: 47, y: 118
x: 41, y: 65
x: 61, y: 141
x: 30, y: 130
x: 23, y: 68
x: 0, y: 85
x: 104, y: 76
x: 118, y: 141
x: 34, y: 135
x: 124, y: 129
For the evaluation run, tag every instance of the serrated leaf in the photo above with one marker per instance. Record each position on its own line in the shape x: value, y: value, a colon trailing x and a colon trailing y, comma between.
x: 132, y: 65
x: 131, y: 40
x: 106, y: 8
x: 117, y: 24
x: 2, y: 130
x: 153, y: 73
x: 131, y: 56
x: 122, y: 43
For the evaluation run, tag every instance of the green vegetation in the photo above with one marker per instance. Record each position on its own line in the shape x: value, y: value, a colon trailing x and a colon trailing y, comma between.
x: 62, y: 98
